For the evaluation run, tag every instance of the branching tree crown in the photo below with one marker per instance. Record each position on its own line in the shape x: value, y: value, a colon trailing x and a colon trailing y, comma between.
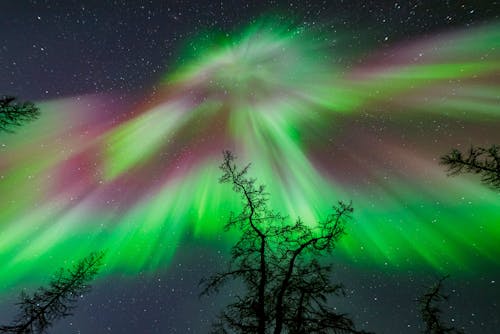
x: 39, y: 311
x: 478, y: 160
x: 430, y: 310
x: 287, y: 286
x: 14, y: 114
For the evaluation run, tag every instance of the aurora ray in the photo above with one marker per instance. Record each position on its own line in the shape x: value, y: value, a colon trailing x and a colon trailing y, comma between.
x: 93, y: 174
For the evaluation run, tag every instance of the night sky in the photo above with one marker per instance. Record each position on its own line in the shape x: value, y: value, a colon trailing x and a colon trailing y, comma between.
x: 328, y: 99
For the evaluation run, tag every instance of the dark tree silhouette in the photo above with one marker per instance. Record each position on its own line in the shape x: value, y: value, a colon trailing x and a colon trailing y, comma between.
x: 39, y: 311
x: 431, y: 312
x: 14, y: 114
x: 287, y: 286
x: 478, y: 160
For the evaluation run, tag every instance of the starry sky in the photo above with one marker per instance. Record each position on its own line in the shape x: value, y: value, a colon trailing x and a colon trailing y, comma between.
x: 327, y: 99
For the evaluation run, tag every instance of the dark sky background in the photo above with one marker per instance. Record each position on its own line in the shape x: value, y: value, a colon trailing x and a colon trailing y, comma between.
x: 53, y: 49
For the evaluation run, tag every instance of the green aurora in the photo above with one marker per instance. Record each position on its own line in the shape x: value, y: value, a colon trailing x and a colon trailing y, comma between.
x: 138, y: 183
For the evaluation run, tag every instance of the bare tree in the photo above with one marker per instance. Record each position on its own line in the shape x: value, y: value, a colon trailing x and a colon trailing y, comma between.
x: 14, y: 114
x: 287, y: 286
x: 478, y: 160
x: 39, y: 311
x: 431, y: 312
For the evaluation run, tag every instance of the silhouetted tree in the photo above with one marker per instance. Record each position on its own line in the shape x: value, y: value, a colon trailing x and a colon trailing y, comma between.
x: 39, y: 311
x: 431, y: 312
x: 14, y: 114
x: 478, y: 160
x: 287, y: 287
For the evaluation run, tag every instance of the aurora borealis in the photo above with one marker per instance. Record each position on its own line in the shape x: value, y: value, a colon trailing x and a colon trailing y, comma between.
x: 317, y: 121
